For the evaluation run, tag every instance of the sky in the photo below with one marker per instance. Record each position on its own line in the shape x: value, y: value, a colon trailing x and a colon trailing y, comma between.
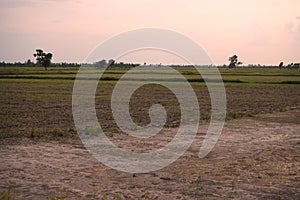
x: 258, y: 31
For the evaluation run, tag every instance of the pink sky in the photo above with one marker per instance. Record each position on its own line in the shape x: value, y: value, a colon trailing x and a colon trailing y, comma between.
x: 258, y: 31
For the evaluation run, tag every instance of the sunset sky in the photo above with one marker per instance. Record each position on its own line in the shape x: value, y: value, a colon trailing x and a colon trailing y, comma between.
x: 258, y: 31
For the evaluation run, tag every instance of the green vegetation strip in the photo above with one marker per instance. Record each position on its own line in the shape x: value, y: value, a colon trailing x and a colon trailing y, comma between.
x: 200, y: 80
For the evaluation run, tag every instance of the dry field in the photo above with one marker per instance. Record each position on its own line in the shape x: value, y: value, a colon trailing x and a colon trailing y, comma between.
x: 256, y: 157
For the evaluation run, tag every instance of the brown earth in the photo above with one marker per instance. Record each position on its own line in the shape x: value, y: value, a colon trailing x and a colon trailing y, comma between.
x: 44, y: 108
x: 255, y: 158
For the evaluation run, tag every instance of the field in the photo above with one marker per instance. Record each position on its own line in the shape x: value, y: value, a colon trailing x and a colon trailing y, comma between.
x: 257, y: 156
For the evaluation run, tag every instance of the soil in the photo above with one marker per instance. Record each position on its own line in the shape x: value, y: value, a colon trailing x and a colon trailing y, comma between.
x: 255, y: 158
x: 39, y: 109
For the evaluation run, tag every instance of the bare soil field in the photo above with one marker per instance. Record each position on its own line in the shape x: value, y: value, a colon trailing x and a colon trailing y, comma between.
x: 255, y: 158
x: 44, y: 107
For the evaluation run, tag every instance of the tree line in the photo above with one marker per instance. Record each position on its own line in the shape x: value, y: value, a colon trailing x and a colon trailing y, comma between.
x: 43, y: 59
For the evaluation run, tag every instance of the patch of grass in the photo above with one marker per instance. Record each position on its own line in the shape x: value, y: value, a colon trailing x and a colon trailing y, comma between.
x: 11, y: 193
x: 270, y: 76
x: 57, y: 133
x: 290, y: 82
x: 91, y: 131
x: 198, y: 186
x: 235, y: 115
x: 32, y: 133
x: 59, y: 194
x: 12, y: 134
x: 205, y: 116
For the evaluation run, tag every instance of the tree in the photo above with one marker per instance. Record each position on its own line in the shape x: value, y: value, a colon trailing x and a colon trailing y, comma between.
x: 280, y: 65
x: 29, y: 63
x: 234, y: 62
x: 43, y: 59
x: 101, y: 64
x: 111, y: 62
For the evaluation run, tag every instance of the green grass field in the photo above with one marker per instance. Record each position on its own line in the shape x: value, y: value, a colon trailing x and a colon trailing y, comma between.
x: 233, y: 75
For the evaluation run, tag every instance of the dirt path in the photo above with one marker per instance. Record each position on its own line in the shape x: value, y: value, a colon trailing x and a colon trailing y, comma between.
x: 255, y: 158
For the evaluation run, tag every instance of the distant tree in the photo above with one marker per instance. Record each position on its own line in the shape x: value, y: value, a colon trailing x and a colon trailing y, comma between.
x: 43, y: 59
x: 101, y: 64
x: 234, y: 62
x: 290, y: 66
x: 280, y: 65
x: 111, y: 62
x: 29, y: 63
